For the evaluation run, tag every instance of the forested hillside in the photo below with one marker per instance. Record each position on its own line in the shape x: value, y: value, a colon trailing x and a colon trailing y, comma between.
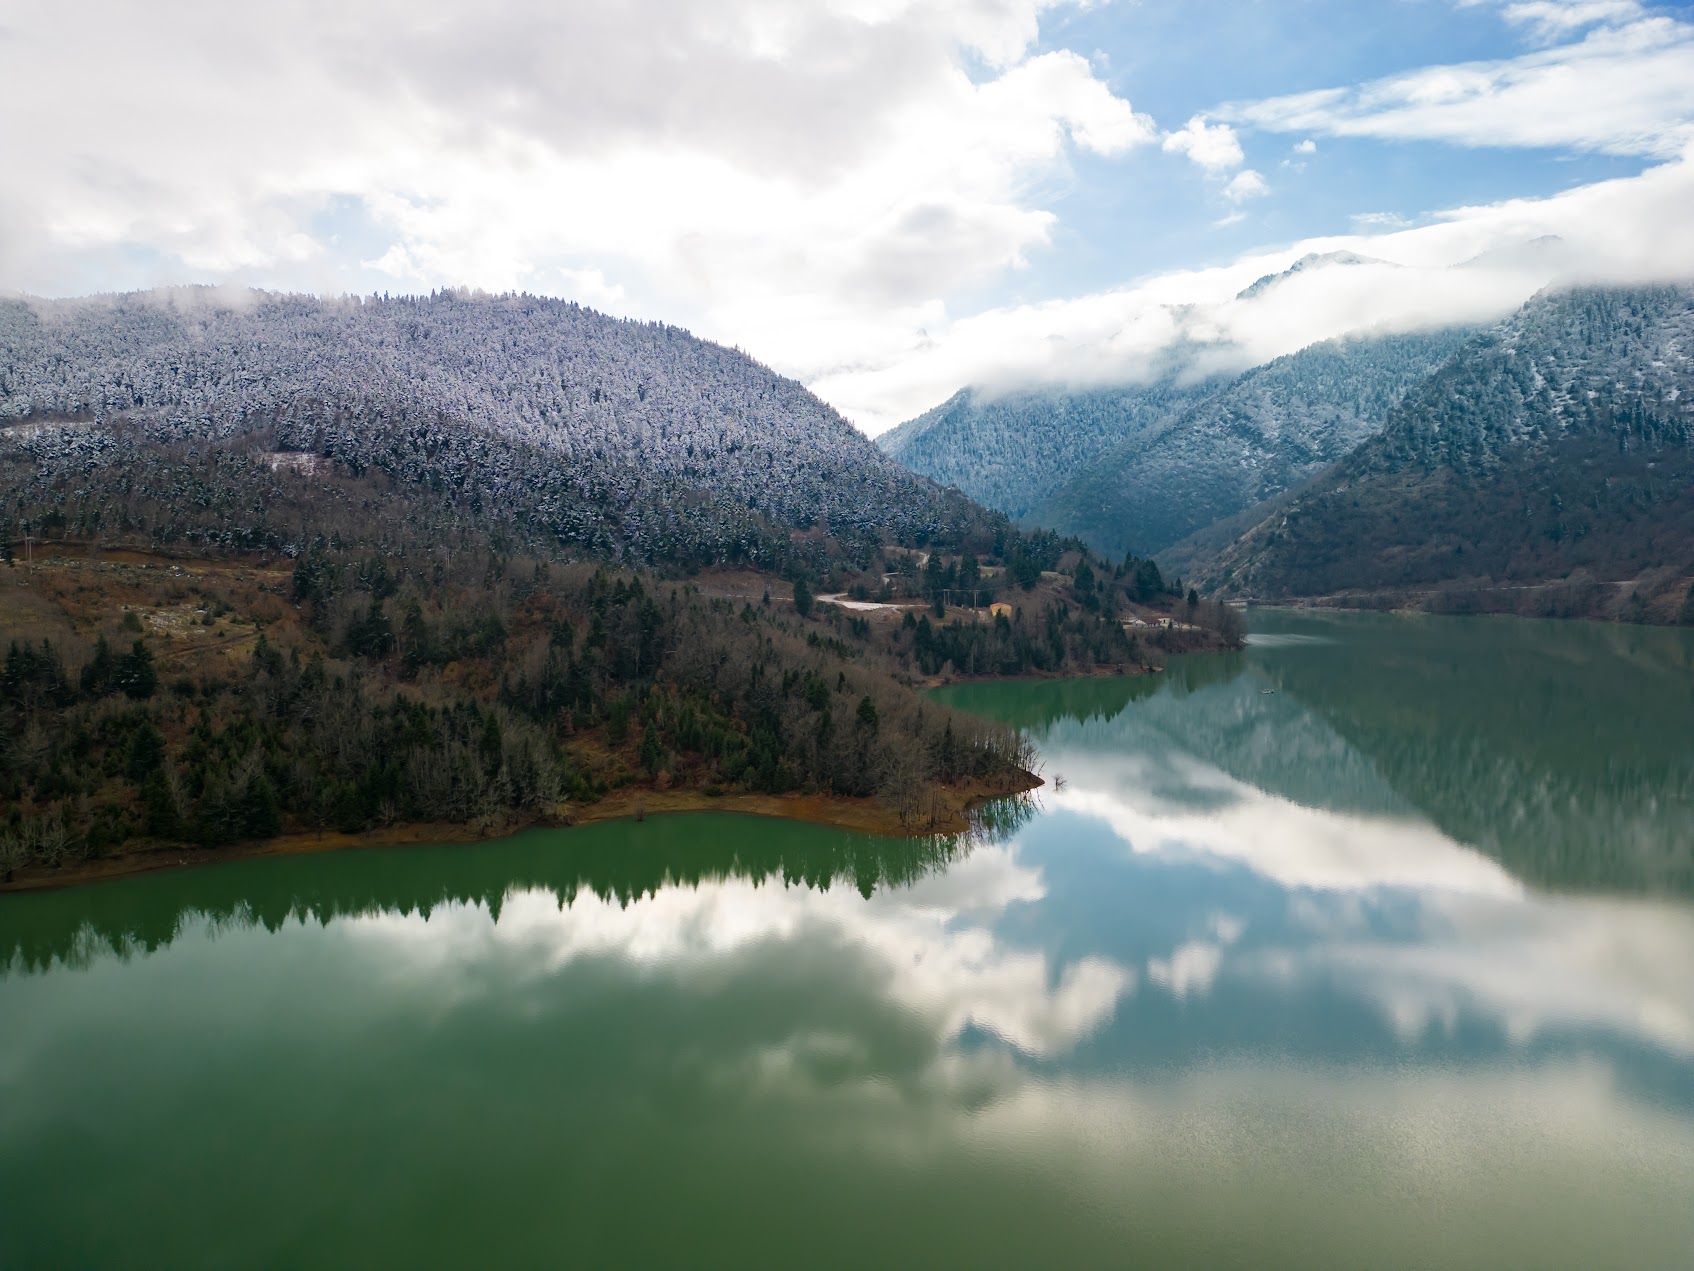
x: 1260, y: 435
x: 635, y: 440
x: 271, y: 565
x: 1139, y: 466
x: 148, y: 702
x: 1010, y: 451
x: 154, y: 702
x: 1558, y: 447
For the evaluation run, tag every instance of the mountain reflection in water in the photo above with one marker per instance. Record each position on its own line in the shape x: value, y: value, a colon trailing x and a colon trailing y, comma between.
x: 1386, y: 968
x: 1565, y: 751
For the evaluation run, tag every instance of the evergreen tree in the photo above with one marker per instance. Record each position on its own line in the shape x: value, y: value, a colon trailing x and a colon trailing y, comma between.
x: 134, y: 673
x: 99, y: 676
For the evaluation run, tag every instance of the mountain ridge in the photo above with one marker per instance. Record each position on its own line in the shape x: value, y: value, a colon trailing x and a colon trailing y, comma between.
x: 634, y: 438
x: 1265, y: 432
x: 1556, y: 449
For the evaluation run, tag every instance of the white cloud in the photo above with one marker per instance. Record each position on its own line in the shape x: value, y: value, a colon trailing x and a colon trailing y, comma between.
x: 1214, y: 147
x: 1537, y: 966
x: 1487, y: 946
x: 1553, y: 19
x: 589, y: 287
x: 1245, y: 184
x: 814, y: 180
x: 1299, y: 847
x: 1625, y: 230
x: 1379, y: 220
x: 1192, y: 968
x: 1621, y: 90
x: 831, y: 166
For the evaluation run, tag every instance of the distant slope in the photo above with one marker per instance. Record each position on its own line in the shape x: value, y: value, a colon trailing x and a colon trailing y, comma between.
x: 1140, y: 468
x: 1310, y: 261
x: 1561, y: 443
x: 1263, y: 434
x: 1009, y: 451
x: 632, y: 437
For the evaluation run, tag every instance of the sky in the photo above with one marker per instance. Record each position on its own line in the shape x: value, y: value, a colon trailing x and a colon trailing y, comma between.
x: 886, y: 199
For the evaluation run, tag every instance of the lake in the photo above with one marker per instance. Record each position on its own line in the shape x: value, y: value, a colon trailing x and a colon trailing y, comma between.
x: 1372, y: 946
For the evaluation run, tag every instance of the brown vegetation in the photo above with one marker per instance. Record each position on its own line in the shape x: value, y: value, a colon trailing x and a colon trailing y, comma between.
x: 151, y: 705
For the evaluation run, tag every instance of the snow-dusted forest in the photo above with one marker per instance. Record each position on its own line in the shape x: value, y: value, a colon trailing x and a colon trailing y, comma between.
x: 1558, y: 445
x: 1011, y: 451
x: 635, y: 437
x: 1138, y: 467
x: 1250, y: 440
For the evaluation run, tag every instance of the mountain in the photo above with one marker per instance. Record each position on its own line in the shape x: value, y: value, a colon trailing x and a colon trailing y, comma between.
x: 631, y: 438
x: 1556, y: 448
x: 1211, y: 425
x: 1262, y: 434
x: 1312, y: 260
x: 1010, y: 451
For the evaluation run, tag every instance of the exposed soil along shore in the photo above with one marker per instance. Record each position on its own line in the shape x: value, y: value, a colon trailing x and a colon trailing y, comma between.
x: 944, y: 810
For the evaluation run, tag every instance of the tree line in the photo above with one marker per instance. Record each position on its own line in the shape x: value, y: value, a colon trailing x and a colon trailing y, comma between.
x: 470, y: 692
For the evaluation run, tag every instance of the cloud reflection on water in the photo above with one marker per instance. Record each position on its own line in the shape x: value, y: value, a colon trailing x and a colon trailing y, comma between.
x: 1481, y: 942
x: 917, y: 945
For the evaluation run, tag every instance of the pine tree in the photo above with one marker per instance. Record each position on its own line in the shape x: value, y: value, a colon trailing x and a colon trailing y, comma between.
x: 134, y: 673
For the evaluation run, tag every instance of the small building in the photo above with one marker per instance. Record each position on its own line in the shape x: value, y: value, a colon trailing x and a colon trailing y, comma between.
x: 1000, y: 608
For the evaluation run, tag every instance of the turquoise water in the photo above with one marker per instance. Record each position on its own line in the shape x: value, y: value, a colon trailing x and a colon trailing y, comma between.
x: 1372, y: 946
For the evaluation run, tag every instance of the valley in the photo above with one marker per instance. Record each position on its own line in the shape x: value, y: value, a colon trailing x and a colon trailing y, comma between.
x: 937, y: 633
x: 1541, y: 466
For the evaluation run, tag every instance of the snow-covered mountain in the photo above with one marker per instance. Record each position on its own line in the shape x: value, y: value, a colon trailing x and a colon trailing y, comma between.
x: 1306, y: 263
x: 1248, y: 441
x: 633, y: 436
x: 1200, y: 410
x: 1011, y: 451
x: 1558, y: 445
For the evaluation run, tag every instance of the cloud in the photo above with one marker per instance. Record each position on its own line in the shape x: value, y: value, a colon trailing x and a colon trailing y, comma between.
x: 1620, y: 90
x: 817, y: 181
x: 1379, y: 220
x: 1214, y: 147
x: 589, y: 287
x: 1244, y: 185
x: 1192, y: 968
x: 1217, y: 150
x: 1554, y: 19
x: 1629, y: 229
x: 842, y: 163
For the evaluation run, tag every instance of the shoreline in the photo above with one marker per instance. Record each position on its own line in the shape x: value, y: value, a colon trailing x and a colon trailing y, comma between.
x: 1044, y: 677
x: 857, y: 815
x: 1561, y: 600
x: 1111, y: 672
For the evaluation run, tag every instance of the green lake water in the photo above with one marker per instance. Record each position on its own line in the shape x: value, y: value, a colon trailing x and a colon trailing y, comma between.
x: 1372, y: 946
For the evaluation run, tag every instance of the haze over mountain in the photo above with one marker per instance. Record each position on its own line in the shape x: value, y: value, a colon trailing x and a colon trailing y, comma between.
x: 1010, y: 451
x: 1136, y: 468
x: 1246, y: 442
